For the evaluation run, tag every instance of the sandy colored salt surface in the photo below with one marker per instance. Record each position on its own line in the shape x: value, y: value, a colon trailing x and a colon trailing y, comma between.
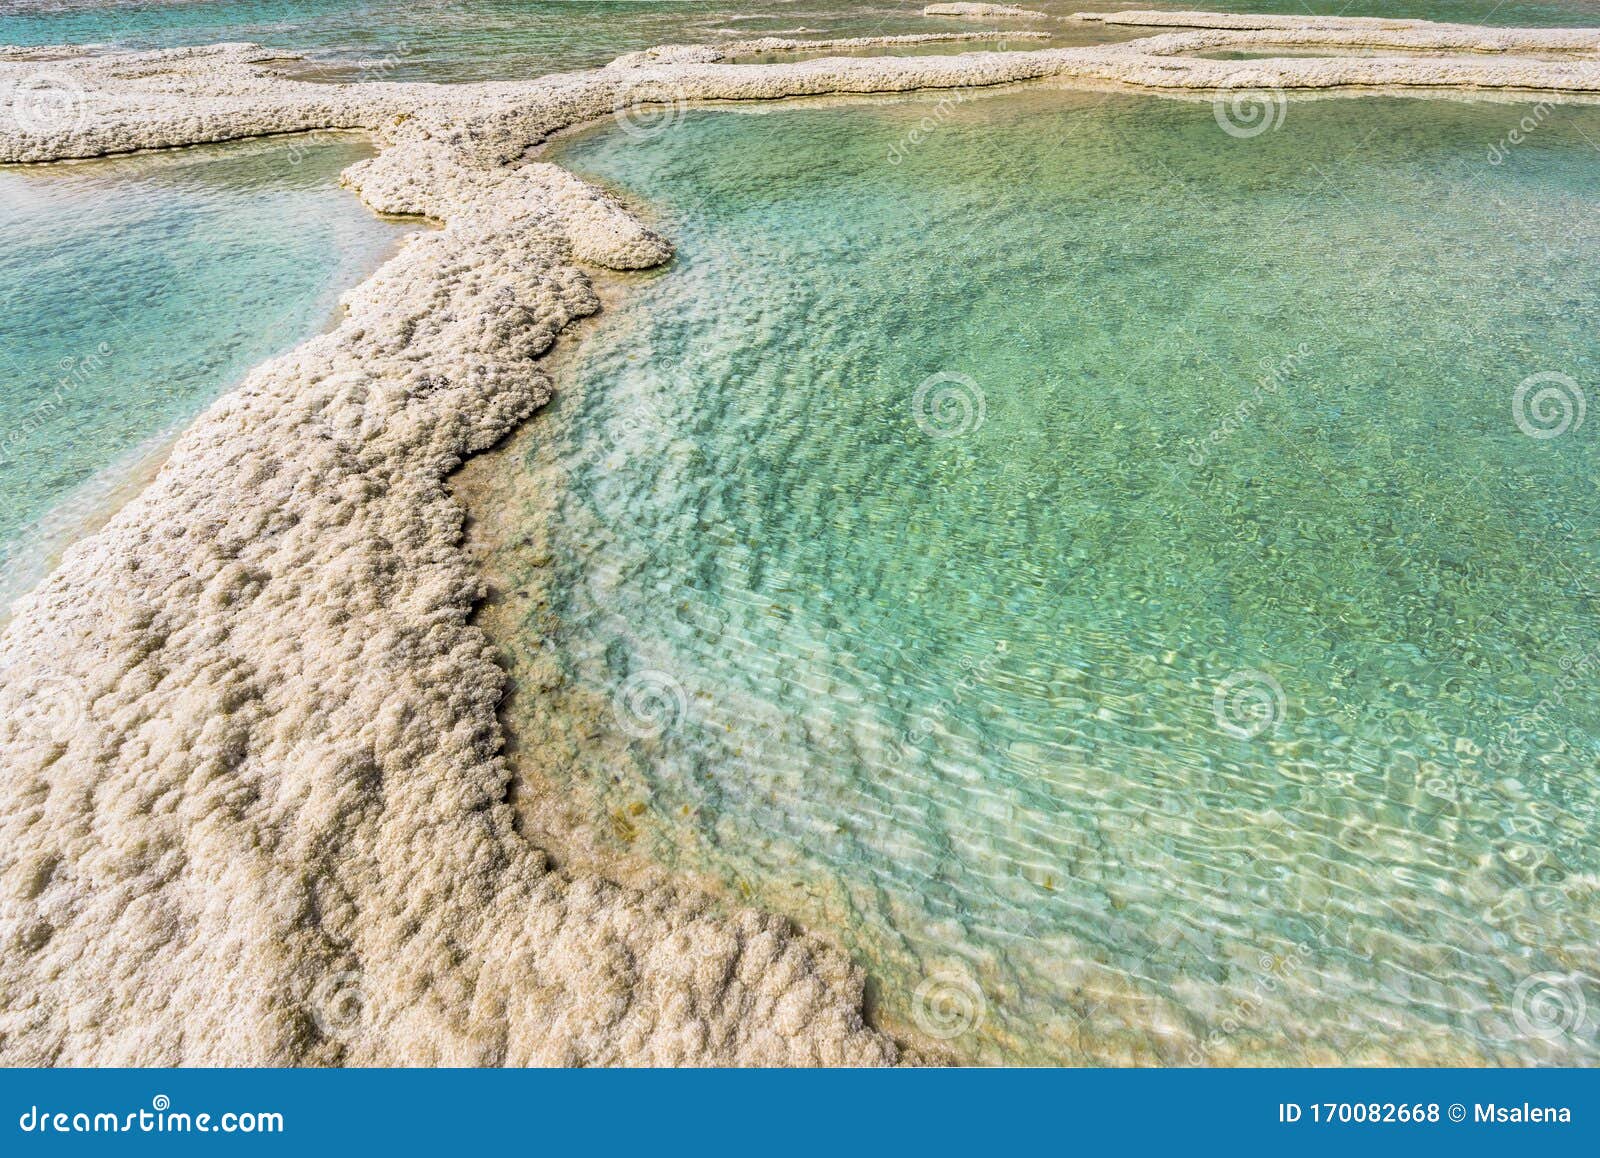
x: 983, y: 11
x: 254, y: 803
x: 1209, y: 30
x: 765, y: 45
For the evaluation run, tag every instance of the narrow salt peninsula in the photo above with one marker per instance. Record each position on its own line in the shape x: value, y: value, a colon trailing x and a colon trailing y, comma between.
x: 256, y: 803
x: 983, y: 11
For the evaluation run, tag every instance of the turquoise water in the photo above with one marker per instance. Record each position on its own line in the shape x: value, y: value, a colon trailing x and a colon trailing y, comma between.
x: 458, y: 40
x: 134, y: 291
x: 443, y: 40
x: 1096, y: 566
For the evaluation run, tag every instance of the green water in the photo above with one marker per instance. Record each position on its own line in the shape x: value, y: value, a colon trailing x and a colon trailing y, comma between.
x: 1093, y: 566
x: 452, y: 41
x: 134, y: 291
x: 477, y: 39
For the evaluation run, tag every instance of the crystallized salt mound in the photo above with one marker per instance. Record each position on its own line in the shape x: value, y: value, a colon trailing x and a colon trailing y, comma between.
x: 1264, y: 31
x: 1154, y: 18
x: 712, y: 54
x: 981, y: 11
x: 252, y: 803
x: 254, y: 810
x: 77, y: 105
x: 671, y: 54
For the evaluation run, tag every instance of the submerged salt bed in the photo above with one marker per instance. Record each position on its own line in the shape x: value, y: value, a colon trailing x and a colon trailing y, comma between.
x: 881, y: 562
x: 134, y: 291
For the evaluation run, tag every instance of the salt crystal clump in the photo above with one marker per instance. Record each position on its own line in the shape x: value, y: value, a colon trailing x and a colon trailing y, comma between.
x: 982, y: 11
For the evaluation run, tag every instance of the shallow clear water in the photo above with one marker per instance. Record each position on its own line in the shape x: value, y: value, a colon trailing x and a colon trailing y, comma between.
x: 448, y: 40
x: 133, y: 291
x: 1093, y: 565
x: 476, y: 39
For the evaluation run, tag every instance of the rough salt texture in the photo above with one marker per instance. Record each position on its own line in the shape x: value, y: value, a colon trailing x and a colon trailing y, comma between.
x: 254, y: 808
x: 1225, y: 30
x: 761, y: 46
x: 983, y: 11
x: 1345, y: 25
x: 252, y: 803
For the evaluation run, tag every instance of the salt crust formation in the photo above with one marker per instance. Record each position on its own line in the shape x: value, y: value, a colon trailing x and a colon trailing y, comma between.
x: 983, y: 11
x: 254, y: 807
x: 765, y: 45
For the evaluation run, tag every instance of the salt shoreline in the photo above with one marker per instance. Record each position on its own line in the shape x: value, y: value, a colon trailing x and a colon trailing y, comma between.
x: 96, y: 500
x: 256, y: 802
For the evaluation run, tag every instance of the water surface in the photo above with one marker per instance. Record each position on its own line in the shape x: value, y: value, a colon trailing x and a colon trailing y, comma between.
x: 135, y: 290
x: 478, y: 39
x: 1100, y: 567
